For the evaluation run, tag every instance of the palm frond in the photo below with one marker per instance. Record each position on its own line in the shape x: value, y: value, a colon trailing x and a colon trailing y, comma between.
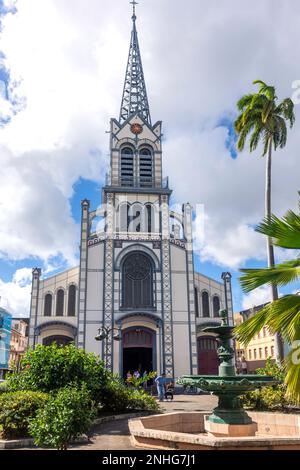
x: 284, y: 317
x: 244, y: 102
x: 264, y: 89
x: 281, y: 274
x: 284, y: 232
x: 246, y: 129
x: 281, y: 316
x: 268, y: 108
x: 286, y: 109
x: 292, y: 378
x: 255, y: 137
x: 280, y: 132
x: 251, y: 327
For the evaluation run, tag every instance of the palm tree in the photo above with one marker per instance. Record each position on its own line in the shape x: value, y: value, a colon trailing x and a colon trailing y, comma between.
x: 283, y: 315
x: 262, y: 117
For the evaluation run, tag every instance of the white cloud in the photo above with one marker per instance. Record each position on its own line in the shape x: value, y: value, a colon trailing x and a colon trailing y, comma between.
x: 259, y: 296
x: 70, y: 65
x: 15, y: 295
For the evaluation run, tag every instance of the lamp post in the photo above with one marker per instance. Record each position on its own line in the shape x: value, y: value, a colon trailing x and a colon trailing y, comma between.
x: 103, y: 334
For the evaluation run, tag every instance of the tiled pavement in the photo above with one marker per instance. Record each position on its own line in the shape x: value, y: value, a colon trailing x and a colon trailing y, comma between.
x: 115, y: 435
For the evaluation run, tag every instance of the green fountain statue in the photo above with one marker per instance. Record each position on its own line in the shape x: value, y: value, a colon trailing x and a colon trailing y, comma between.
x: 229, y: 417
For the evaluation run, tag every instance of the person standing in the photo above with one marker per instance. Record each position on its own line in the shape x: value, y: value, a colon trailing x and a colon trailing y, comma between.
x: 244, y: 366
x: 160, y: 384
x: 128, y: 378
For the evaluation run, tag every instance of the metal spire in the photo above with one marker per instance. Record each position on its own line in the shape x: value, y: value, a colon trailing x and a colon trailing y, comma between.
x: 134, y: 98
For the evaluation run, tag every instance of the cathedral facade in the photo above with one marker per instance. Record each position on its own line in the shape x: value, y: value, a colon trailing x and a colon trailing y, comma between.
x: 135, y: 281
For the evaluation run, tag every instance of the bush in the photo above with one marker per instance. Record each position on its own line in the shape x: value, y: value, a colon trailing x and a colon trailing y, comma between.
x: 116, y: 396
x: 16, y: 411
x: 268, y: 398
x: 49, y: 368
x: 3, y: 387
x: 66, y: 416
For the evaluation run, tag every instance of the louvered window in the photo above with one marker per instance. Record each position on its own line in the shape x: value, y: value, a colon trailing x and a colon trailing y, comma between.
x: 146, y: 170
x: 127, y: 174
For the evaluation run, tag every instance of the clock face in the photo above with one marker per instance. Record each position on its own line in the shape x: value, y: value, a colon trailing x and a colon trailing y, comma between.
x: 136, y: 128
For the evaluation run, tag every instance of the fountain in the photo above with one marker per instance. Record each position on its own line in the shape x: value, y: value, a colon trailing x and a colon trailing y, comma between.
x: 228, y: 426
x: 229, y: 417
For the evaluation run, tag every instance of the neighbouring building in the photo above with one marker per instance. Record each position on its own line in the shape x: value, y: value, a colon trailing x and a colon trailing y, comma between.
x: 18, y: 341
x: 260, y: 348
x: 5, y: 334
x: 136, y: 274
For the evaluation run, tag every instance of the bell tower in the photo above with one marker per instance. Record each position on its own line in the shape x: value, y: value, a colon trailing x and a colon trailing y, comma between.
x: 137, y: 270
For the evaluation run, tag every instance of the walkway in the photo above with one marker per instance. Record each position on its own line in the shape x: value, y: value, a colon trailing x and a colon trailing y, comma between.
x: 115, y: 435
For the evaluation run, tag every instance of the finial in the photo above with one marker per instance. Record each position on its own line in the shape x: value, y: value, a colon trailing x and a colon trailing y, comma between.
x: 133, y: 3
x: 224, y: 317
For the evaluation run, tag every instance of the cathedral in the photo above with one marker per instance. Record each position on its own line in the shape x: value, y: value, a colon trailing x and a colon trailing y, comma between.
x: 135, y: 289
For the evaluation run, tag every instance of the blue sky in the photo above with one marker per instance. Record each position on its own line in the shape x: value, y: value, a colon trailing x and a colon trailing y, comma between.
x: 62, y: 89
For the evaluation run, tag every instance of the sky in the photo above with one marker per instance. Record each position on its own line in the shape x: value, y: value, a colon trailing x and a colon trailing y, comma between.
x: 62, y: 66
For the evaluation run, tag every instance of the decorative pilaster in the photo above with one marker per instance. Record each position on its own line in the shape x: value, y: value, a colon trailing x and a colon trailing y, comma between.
x: 168, y: 359
x: 108, y: 317
x: 36, y: 275
x: 85, y: 206
x: 188, y: 232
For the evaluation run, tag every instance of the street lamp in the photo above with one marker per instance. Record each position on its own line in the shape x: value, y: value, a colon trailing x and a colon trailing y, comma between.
x: 103, y: 334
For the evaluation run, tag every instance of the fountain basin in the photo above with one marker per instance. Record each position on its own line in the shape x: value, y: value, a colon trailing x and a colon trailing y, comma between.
x: 186, y: 431
x: 237, y: 384
x: 229, y: 418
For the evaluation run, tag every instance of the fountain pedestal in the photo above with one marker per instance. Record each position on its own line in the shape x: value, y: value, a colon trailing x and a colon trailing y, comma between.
x: 229, y: 430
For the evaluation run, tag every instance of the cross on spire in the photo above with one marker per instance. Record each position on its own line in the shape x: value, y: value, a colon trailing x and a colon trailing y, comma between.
x: 133, y: 3
x: 134, y: 98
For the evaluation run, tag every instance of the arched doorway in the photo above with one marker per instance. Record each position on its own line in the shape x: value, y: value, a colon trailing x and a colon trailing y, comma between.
x: 60, y: 340
x: 139, y: 350
x: 208, y: 361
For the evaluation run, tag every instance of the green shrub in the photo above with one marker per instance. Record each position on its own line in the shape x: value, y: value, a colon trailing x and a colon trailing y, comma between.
x: 268, y: 398
x: 3, y: 387
x: 118, y: 397
x: 16, y: 411
x: 49, y: 368
x: 67, y: 415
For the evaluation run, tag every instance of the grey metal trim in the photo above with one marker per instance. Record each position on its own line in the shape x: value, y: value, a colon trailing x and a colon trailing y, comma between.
x: 134, y: 98
x: 121, y: 317
x: 138, y: 190
x: 43, y: 326
x: 136, y: 247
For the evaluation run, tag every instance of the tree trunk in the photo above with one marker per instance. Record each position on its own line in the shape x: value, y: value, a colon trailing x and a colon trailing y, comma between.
x: 279, y: 350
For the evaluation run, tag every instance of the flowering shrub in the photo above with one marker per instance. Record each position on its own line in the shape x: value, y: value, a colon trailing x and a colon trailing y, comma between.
x: 16, y: 411
x: 49, y: 368
x: 67, y: 415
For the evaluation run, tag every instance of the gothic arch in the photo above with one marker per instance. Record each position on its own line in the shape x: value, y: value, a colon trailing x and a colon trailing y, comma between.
x: 48, y: 304
x: 60, y: 299
x: 124, y: 142
x: 139, y: 248
x: 137, y: 281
